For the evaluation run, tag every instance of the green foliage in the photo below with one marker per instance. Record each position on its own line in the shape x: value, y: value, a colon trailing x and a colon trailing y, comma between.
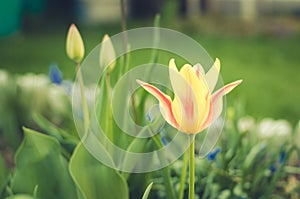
x: 249, y: 163
x: 39, y: 163
x: 95, y: 180
x: 67, y: 140
x: 22, y: 96
x: 21, y: 196
x: 8, y: 113
x: 3, y: 174
x: 147, y: 191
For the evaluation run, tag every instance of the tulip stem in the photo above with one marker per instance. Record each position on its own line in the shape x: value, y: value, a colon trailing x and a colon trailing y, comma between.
x: 124, y: 28
x: 109, y: 132
x: 192, y: 169
x: 166, y: 174
x: 83, y: 100
x: 183, y: 174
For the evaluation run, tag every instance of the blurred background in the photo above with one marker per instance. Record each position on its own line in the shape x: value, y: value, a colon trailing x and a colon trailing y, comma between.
x: 257, y: 41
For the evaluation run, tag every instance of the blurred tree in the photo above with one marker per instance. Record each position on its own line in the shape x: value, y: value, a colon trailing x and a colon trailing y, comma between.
x: 61, y: 10
x: 204, y: 5
x: 144, y: 8
x: 183, y: 8
x: 208, y: 6
x: 10, y: 16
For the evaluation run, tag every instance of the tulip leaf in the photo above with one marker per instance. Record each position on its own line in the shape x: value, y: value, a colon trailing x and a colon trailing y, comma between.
x: 39, y: 162
x: 94, y: 179
x: 136, y: 146
x: 147, y: 191
x: 47, y: 126
x: 21, y: 196
x: 68, y: 141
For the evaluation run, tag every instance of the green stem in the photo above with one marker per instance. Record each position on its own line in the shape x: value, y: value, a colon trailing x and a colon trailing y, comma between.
x: 183, y: 175
x: 192, y: 169
x: 123, y: 15
x: 109, y: 132
x: 124, y: 28
x: 166, y: 174
x: 83, y: 100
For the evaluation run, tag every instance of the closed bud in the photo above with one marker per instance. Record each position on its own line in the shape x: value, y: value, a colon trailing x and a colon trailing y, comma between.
x: 107, y: 54
x: 74, y: 45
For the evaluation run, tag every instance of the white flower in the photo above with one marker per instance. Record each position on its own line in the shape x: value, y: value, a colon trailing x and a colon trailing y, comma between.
x: 246, y: 124
x: 3, y: 77
x: 32, y: 81
x: 269, y: 127
x: 58, y: 100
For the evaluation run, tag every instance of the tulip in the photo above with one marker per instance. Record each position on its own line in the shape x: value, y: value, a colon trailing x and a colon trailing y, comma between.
x: 75, y: 51
x: 194, y: 106
x: 107, y: 53
x: 74, y: 45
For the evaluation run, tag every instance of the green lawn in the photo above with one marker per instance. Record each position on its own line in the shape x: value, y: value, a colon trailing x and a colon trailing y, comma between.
x: 269, y: 65
x: 270, y: 69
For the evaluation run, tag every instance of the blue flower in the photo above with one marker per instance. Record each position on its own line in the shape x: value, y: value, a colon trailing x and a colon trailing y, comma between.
x: 212, y: 155
x: 163, y: 138
x: 163, y: 141
x: 282, y: 157
x: 273, y: 168
x: 148, y: 117
x: 55, y: 74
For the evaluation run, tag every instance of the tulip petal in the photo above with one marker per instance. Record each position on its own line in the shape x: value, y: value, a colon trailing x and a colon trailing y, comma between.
x: 212, y: 75
x: 177, y: 81
x: 165, y: 102
x: 217, y: 102
x: 199, y: 70
x: 190, y: 102
x: 172, y: 64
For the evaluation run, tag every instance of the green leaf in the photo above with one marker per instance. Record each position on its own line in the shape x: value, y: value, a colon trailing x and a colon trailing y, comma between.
x: 3, y: 174
x: 101, y: 103
x: 20, y: 196
x: 136, y: 146
x: 94, y: 179
x: 67, y: 140
x: 39, y: 163
x: 147, y: 191
x: 47, y: 126
x: 141, y: 145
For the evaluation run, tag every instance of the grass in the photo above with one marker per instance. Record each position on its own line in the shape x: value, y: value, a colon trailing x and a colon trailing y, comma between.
x: 269, y: 68
x: 268, y: 64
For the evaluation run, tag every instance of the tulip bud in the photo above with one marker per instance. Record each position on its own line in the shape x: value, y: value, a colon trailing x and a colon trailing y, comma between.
x: 107, y: 54
x: 74, y: 45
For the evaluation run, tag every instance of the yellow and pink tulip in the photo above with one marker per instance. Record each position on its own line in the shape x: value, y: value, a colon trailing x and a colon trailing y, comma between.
x: 195, y: 106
